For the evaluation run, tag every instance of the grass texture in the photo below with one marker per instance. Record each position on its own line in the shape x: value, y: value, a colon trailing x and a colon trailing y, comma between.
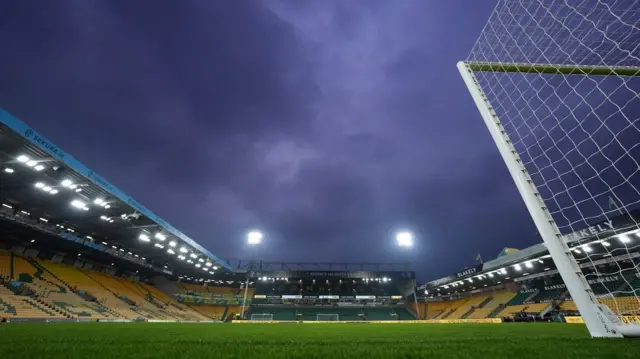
x: 308, y: 341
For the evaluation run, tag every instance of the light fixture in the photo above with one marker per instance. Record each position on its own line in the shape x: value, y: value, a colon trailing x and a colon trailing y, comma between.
x: 587, y: 249
x: 104, y: 218
x: 158, y: 245
x: 181, y: 257
x: 517, y: 267
x: 66, y: 183
x: 624, y: 238
x: 197, y: 265
x: 39, y: 184
x: 200, y: 260
x: 172, y: 244
x: 170, y: 251
x: 98, y: 200
x: 78, y: 204
x: 53, y: 191
x: 254, y: 237
x: 43, y: 220
x: 111, y: 220
x: 503, y: 271
x: 8, y: 170
x: 528, y: 265
x: 143, y: 237
x: 183, y: 250
x: 46, y: 188
x: 208, y: 264
x: 25, y: 212
x: 193, y: 255
x: 31, y: 163
x: 72, y: 186
x: 78, y: 190
x: 606, y: 244
x: 105, y: 243
x: 577, y: 251
x: 159, y: 236
x: 70, y: 230
x: 23, y: 159
x: 38, y: 167
x: 215, y: 268
x: 107, y: 206
x: 85, y: 208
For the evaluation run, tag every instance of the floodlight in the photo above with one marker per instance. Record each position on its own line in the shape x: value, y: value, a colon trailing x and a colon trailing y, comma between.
x: 46, y: 188
x: 73, y: 186
x: 23, y: 159
x: 172, y: 244
x: 624, y: 239
x: 577, y: 251
x: 31, y: 163
x: 143, y: 237
x: 517, y: 267
x: 606, y: 244
x: 159, y: 236
x: 254, y: 237
x: 38, y: 167
x: 78, y: 190
x: 78, y: 204
x: 66, y: 183
x: 8, y: 170
x: 404, y: 239
x: 107, y: 206
x: 158, y: 245
x: 184, y: 250
x: 587, y: 249
x: 39, y: 185
x: 215, y: 268
x: 208, y: 264
x: 43, y: 220
x: 181, y: 257
x: 193, y: 255
x: 98, y: 200
x: 170, y: 251
x: 53, y: 191
x: 528, y: 265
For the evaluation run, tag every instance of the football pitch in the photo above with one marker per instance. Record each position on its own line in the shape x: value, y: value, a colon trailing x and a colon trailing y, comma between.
x: 206, y: 340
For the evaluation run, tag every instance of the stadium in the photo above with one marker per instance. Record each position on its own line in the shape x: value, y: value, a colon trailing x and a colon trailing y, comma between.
x: 87, y: 270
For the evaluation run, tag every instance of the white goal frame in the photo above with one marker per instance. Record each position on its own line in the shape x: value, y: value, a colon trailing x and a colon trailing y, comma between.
x: 318, y: 316
x: 599, y: 319
x: 265, y: 317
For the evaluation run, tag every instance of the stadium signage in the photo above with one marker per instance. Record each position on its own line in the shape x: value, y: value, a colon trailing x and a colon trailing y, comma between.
x: 73, y: 238
x: 587, y: 232
x: 99, y: 180
x: 46, y: 144
x: 329, y: 297
x: 469, y: 271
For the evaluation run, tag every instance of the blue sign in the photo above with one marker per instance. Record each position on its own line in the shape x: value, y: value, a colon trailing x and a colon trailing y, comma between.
x: 56, y: 152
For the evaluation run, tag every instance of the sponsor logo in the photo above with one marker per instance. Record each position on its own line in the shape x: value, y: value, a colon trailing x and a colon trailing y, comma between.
x: 43, y: 143
x: 588, y: 232
x: 99, y: 180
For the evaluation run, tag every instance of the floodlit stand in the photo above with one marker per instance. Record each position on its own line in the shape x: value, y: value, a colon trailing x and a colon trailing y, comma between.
x: 600, y: 321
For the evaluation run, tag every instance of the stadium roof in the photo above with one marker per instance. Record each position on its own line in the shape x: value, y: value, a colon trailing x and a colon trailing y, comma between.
x: 606, y: 242
x: 49, y: 186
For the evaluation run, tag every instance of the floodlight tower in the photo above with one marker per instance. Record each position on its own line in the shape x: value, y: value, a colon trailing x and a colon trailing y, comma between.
x: 254, y: 238
x: 404, y: 239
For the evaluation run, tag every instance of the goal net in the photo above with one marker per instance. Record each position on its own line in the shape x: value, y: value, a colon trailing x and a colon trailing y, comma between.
x: 262, y: 317
x: 328, y: 317
x: 557, y: 83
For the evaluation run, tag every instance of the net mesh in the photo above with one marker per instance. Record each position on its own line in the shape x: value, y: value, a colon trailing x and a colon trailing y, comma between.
x: 262, y: 317
x: 577, y: 134
x: 327, y: 317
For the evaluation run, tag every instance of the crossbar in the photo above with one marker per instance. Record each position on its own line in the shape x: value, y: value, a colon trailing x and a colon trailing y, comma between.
x: 511, y: 67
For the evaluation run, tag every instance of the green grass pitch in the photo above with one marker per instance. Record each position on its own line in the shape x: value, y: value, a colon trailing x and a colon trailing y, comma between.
x: 220, y: 341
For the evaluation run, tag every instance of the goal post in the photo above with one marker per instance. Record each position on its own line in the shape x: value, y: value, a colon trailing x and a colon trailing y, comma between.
x: 557, y: 84
x: 262, y: 317
x: 327, y: 317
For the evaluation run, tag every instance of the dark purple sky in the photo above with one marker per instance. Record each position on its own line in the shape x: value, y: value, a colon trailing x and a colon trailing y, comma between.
x: 327, y: 124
